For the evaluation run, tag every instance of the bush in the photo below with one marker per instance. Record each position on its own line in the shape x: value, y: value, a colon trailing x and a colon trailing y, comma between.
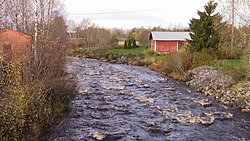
x: 178, y: 63
x: 25, y: 108
x: 148, y: 61
x: 75, y: 44
x: 241, y: 72
x: 237, y: 73
x: 214, y: 53
x: 35, y: 93
x: 201, y: 59
x: 230, y: 53
x: 246, y: 61
x: 142, y: 56
x: 134, y: 44
x: 157, y: 66
x: 114, y: 41
x: 131, y: 55
x: 126, y: 45
x: 149, y: 51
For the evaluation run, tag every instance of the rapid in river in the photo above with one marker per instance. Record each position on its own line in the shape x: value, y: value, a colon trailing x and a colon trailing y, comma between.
x: 118, y: 102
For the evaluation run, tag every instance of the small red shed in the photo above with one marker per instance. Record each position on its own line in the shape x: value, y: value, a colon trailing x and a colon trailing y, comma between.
x: 167, y: 42
x: 14, y: 45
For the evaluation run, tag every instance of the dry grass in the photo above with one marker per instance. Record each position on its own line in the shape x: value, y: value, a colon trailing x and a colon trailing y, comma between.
x: 178, y: 63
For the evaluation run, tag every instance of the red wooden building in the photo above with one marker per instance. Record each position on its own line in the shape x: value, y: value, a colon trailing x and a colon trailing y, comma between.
x: 14, y: 45
x: 167, y: 42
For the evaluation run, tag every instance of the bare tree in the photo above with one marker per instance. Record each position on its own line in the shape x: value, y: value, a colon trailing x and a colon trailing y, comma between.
x: 58, y: 30
x: 84, y: 24
x: 1, y: 8
x: 91, y: 34
x: 237, y: 15
x: 82, y: 32
x: 17, y: 14
x: 241, y: 9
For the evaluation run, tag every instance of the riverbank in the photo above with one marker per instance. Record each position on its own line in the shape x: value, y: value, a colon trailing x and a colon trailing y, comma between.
x: 221, y: 87
x: 212, y: 82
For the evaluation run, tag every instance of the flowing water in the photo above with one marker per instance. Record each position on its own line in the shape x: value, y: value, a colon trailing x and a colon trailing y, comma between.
x: 129, y: 103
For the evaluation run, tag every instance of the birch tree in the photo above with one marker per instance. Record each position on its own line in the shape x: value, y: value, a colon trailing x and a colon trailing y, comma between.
x: 241, y: 10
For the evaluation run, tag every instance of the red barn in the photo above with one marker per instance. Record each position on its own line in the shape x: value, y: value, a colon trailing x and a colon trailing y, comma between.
x: 14, y: 45
x: 167, y: 42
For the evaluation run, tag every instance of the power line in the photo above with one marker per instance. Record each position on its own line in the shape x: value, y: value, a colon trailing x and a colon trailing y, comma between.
x: 115, y: 12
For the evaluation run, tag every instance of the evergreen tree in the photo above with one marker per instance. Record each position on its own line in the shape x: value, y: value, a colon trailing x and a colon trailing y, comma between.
x: 114, y: 41
x: 134, y: 44
x: 125, y: 45
x: 203, y: 33
x: 130, y: 41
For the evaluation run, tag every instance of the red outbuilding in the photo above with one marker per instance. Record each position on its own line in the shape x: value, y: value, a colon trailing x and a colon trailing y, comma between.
x: 14, y: 45
x: 167, y: 42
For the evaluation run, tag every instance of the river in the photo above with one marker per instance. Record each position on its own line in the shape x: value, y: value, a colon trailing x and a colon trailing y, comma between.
x: 130, y: 103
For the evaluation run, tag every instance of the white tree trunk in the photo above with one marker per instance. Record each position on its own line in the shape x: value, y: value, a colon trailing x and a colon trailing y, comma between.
x: 36, y: 31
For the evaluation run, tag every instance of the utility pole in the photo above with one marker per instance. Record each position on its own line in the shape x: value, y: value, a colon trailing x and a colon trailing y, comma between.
x: 232, y: 36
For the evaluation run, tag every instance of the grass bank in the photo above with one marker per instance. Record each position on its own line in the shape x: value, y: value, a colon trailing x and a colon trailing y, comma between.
x: 223, y: 63
x: 177, y: 64
x: 148, y: 53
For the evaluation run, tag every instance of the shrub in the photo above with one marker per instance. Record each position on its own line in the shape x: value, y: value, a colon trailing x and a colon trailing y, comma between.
x: 75, y: 43
x: 230, y: 53
x: 149, y: 51
x: 131, y: 55
x: 237, y: 73
x: 35, y: 93
x: 211, y: 52
x: 246, y: 61
x: 130, y: 44
x: 142, y: 56
x: 157, y: 66
x: 178, y: 63
x: 241, y: 72
x: 148, y: 61
x: 25, y: 107
x: 126, y: 45
x: 200, y: 59
x: 114, y: 41
x: 134, y: 44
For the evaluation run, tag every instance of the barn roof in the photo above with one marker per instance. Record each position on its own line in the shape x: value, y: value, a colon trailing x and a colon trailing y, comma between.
x: 170, y: 36
x: 14, y: 33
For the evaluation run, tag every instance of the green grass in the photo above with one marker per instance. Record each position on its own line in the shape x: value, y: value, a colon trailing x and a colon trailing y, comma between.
x: 136, y: 51
x: 227, y: 64
x: 158, y: 57
x: 230, y: 63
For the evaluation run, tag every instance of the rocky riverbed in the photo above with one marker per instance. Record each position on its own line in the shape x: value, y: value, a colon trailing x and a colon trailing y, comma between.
x: 128, y: 103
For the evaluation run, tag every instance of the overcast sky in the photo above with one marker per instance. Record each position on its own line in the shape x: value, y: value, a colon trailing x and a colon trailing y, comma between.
x: 134, y: 13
